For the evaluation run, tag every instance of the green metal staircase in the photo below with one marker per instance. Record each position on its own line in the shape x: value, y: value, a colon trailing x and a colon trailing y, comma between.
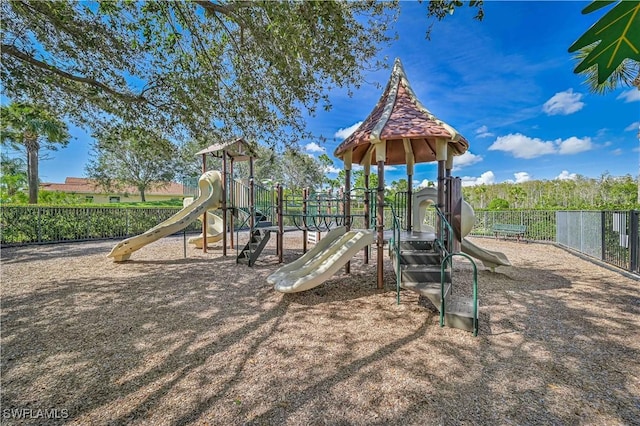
x: 425, y: 266
x: 251, y: 251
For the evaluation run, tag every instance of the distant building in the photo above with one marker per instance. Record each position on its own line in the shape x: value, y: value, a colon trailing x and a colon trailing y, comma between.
x: 91, y: 192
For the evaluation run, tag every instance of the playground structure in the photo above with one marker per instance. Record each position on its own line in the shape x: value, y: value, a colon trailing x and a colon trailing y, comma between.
x: 210, y: 187
x: 399, y: 130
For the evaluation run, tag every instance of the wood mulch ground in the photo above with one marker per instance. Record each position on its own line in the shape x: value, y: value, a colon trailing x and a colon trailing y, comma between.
x: 167, y: 340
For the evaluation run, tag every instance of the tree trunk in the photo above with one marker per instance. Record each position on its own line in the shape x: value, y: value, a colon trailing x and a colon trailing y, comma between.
x: 142, y: 197
x: 31, y: 143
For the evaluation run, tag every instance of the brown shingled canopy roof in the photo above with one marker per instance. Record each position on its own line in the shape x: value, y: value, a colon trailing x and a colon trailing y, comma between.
x: 399, y: 115
x: 238, y: 149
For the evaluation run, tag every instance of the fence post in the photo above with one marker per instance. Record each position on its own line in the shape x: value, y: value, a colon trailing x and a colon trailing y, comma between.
x: 634, y: 215
x: 603, y: 232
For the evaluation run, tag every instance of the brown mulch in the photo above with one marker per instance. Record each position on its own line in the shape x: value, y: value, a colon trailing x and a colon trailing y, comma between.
x: 167, y: 340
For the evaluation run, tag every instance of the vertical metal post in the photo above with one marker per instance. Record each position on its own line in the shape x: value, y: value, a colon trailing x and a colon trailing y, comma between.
x: 603, y: 233
x: 367, y: 214
x: 380, y: 226
x: 410, y: 202
x: 634, y: 253
x: 280, y: 239
x: 252, y: 197
x: 225, y: 217
x: 305, y: 193
x: 232, y: 197
x: 347, y: 209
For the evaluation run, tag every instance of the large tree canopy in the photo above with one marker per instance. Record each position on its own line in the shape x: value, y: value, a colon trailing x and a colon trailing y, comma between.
x: 200, y: 68
x: 129, y: 156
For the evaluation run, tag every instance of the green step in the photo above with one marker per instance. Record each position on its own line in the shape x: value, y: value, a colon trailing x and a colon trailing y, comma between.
x: 422, y: 273
x: 459, y: 313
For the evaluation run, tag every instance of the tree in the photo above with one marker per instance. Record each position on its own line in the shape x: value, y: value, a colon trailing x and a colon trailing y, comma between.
x: 498, y: 204
x: 13, y: 178
x: 32, y: 127
x: 129, y: 156
x: 202, y: 69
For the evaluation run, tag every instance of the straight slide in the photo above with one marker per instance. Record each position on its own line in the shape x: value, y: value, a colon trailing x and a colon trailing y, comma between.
x: 320, y: 263
x: 209, y: 198
x: 490, y: 259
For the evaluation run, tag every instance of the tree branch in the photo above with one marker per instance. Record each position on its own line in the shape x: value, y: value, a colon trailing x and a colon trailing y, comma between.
x: 24, y: 57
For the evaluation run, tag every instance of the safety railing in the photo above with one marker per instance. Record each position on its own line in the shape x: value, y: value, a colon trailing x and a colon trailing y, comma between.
x: 394, y: 246
x: 443, y: 303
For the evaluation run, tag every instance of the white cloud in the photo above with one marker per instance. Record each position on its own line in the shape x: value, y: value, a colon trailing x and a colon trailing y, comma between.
x: 565, y: 175
x: 633, y: 126
x: 573, y: 145
x: 425, y: 183
x: 332, y: 169
x: 617, y: 151
x: 522, y: 177
x: 632, y: 95
x: 466, y: 159
x: 563, y: 103
x: 487, y: 178
x: 346, y: 132
x: 483, y: 132
x: 314, y: 147
x: 521, y: 146
x: 390, y: 168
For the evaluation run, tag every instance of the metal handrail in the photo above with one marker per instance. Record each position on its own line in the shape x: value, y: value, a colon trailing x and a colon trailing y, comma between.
x: 475, y: 290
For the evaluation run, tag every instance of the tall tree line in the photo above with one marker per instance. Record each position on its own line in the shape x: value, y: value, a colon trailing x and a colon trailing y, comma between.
x: 604, y: 192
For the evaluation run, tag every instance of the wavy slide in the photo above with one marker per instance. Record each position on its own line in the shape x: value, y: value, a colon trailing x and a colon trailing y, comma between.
x: 209, y: 198
x: 214, y: 227
x: 320, y: 263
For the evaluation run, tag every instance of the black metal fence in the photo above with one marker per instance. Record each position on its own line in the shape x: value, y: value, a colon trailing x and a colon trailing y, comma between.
x: 38, y: 224
x: 610, y: 236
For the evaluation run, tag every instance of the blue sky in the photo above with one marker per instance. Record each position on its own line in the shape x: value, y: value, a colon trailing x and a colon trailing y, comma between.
x: 506, y: 83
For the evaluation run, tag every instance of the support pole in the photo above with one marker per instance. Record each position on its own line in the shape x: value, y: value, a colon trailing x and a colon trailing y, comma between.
x: 225, y: 190
x: 367, y: 203
x: 232, y: 197
x: 449, y: 193
x: 347, y: 193
x: 204, y: 215
x: 380, y: 226
x: 410, y: 161
x: 305, y: 193
x: 381, y: 155
x: 252, y: 197
x: 441, y: 156
x: 279, y: 212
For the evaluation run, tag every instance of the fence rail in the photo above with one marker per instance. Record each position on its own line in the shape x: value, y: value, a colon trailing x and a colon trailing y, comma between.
x: 37, y: 224
x: 610, y: 236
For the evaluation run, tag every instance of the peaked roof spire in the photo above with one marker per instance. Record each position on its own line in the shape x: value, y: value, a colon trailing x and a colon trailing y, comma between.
x: 398, y: 116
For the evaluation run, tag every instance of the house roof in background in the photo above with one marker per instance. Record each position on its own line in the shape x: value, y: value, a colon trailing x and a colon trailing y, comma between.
x: 90, y: 186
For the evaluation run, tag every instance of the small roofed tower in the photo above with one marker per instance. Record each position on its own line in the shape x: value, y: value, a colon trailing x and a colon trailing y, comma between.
x: 400, y: 130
